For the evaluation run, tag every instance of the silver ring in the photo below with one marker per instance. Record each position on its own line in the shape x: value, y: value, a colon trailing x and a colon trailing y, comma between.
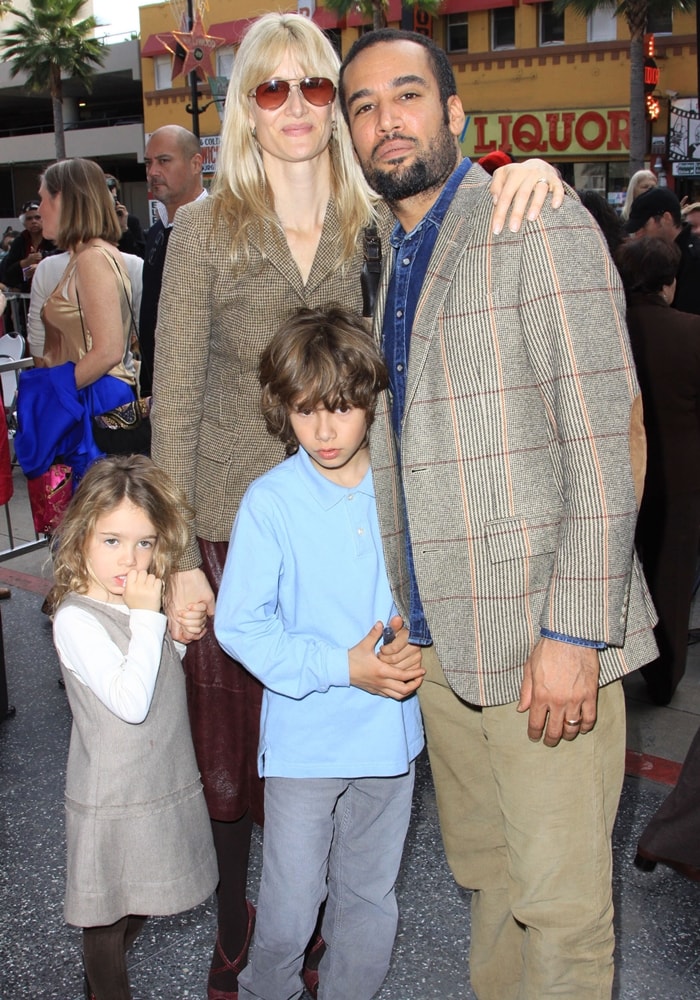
x: 542, y: 180
x: 573, y: 722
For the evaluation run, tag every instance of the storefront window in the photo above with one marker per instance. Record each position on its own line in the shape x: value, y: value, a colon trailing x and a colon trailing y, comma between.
x: 163, y: 70
x: 660, y: 22
x: 590, y: 177
x: 602, y: 24
x: 551, y: 25
x: 224, y: 61
x: 457, y: 33
x: 503, y: 28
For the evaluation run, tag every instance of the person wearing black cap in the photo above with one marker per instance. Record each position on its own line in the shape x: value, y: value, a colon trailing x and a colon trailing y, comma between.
x: 26, y: 250
x: 132, y: 239
x: 658, y: 213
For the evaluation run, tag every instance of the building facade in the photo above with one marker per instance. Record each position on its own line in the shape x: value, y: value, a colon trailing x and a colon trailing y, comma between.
x: 532, y: 82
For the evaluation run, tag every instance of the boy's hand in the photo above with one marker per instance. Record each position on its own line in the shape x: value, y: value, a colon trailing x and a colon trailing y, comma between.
x: 143, y: 591
x: 377, y: 676
x: 399, y: 653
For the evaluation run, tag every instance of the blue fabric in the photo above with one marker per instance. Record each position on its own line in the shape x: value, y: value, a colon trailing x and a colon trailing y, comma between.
x: 547, y: 633
x: 55, y: 418
x: 411, y: 258
x: 339, y: 839
x: 304, y: 581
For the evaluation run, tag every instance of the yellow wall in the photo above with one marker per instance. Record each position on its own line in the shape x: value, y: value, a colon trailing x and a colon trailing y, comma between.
x: 575, y: 76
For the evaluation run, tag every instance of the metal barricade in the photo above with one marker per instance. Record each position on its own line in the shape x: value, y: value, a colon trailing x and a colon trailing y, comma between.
x: 20, y: 533
x: 19, y: 308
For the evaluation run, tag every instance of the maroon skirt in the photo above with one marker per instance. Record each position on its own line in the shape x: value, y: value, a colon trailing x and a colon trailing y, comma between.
x: 224, y: 703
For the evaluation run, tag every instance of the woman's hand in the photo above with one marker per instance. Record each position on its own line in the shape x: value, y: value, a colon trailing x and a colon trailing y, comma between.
x: 122, y: 215
x: 192, y: 620
x: 519, y: 184
x: 188, y: 589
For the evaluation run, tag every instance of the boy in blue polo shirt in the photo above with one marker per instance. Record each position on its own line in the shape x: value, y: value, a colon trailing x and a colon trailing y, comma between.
x: 303, y: 603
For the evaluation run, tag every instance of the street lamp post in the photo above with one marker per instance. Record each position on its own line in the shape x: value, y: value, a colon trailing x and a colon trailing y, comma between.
x: 193, y: 106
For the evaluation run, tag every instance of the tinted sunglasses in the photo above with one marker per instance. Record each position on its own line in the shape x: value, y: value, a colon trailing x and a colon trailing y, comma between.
x: 317, y: 90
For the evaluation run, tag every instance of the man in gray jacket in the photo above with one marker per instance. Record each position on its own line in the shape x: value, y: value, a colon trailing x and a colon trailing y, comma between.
x: 505, y: 462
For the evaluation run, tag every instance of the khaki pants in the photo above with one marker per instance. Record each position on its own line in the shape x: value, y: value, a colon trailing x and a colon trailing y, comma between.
x: 529, y: 829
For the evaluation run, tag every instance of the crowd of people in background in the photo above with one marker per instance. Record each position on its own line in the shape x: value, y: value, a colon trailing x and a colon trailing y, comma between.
x: 502, y: 610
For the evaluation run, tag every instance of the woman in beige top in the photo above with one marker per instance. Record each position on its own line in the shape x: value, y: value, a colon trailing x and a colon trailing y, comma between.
x: 88, y: 315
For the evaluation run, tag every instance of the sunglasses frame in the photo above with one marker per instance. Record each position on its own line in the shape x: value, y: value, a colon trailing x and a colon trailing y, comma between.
x: 301, y: 83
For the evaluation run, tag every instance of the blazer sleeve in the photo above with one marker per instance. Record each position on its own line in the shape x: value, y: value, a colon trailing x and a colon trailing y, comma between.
x: 573, y: 322
x: 182, y: 359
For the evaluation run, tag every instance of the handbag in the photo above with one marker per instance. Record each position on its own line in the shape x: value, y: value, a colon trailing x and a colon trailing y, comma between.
x: 125, y: 430
x: 371, y: 269
x: 49, y: 495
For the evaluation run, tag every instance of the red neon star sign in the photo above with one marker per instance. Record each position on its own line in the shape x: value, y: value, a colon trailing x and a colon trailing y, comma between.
x: 198, y: 47
x: 172, y: 45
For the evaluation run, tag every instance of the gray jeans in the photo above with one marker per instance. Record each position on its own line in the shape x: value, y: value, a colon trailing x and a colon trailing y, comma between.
x: 338, y: 839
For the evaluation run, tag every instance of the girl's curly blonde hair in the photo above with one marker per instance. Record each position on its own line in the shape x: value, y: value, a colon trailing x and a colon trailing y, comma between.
x: 106, y: 483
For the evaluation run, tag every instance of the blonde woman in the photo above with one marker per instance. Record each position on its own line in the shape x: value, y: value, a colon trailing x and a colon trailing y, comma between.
x: 641, y: 181
x: 283, y: 229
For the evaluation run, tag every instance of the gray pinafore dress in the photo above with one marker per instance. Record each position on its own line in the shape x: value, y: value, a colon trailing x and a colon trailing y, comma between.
x: 137, y: 829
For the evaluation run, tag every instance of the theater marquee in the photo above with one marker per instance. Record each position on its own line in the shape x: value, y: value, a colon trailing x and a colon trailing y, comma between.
x: 600, y: 132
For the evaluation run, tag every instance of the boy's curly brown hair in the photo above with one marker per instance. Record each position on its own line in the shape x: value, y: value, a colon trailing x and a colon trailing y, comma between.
x: 319, y: 356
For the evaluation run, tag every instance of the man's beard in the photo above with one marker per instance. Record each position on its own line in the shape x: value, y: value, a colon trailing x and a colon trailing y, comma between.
x: 424, y: 174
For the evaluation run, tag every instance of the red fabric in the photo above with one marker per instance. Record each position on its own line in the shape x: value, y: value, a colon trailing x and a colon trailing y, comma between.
x: 6, y: 486
x: 224, y: 703
x: 49, y: 496
x: 492, y: 161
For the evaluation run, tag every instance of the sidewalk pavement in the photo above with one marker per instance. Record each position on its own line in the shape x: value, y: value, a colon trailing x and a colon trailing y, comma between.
x: 657, y: 914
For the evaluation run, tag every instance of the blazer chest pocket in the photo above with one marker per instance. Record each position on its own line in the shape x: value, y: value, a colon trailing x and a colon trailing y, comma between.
x: 518, y: 538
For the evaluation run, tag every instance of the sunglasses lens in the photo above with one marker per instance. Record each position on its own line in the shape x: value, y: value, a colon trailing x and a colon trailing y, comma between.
x: 272, y: 94
x: 317, y: 90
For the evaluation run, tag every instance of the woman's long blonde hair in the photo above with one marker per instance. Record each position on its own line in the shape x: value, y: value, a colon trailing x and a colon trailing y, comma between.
x: 240, y: 188
x: 632, y: 192
x: 106, y: 483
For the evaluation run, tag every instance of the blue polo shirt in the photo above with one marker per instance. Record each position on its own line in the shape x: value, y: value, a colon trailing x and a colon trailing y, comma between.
x: 304, y: 582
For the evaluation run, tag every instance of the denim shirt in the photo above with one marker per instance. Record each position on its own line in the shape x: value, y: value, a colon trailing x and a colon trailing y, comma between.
x: 412, y: 253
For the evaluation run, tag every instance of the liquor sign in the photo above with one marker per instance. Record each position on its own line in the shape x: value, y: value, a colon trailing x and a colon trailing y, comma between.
x: 595, y: 132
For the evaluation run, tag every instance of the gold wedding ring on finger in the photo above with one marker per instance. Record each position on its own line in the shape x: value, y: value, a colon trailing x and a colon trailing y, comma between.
x: 572, y: 722
x: 542, y: 180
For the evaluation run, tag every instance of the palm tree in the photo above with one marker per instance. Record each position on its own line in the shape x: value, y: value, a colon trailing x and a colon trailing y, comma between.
x: 50, y: 40
x: 377, y: 8
x: 636, y: 14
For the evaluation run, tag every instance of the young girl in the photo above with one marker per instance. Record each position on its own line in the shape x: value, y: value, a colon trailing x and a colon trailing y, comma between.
x: 137, y: 829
